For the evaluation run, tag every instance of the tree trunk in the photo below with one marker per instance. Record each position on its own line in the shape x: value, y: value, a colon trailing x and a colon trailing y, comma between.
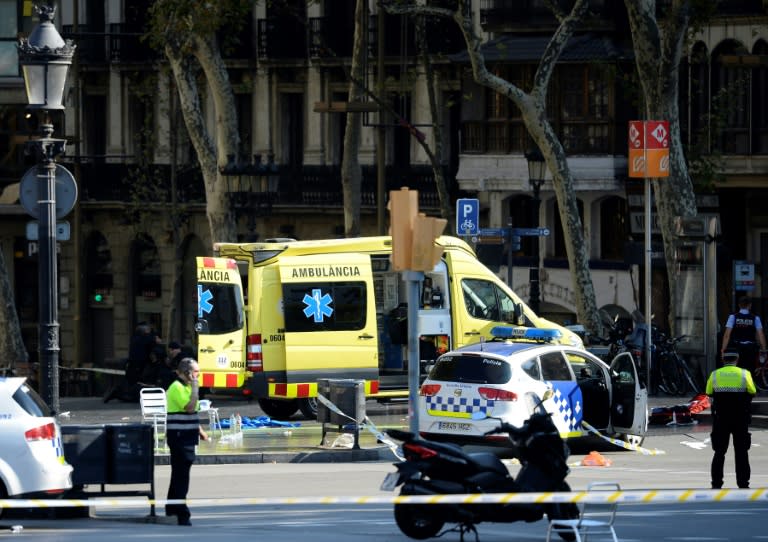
x: 658, y: 53
x: 351, y: 173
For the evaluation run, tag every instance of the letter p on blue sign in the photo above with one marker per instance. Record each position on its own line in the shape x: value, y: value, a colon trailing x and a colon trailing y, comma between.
x: 467, y: 216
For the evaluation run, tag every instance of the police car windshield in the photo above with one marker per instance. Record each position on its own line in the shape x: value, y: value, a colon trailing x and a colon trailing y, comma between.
x: 471, y: 369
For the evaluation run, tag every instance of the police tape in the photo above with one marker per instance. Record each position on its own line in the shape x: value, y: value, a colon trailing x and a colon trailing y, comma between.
x: 622, y: 443
x: 632, y: 496
x: 368, y: 425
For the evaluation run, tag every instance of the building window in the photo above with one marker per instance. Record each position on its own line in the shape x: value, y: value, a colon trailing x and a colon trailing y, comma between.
x: 759, y: 103
x: 613, y: 228
x: 9, y: 30
x: 559, y: 238
x: 730, y: 99
x: 581, y: 112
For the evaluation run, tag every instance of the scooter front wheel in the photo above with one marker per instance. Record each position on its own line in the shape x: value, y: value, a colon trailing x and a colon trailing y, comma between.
x: 415, y: 520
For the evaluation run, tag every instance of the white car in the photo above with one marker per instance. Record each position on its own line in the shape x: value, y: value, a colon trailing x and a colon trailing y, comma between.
x: 31, y: 453
x: 507, y: 376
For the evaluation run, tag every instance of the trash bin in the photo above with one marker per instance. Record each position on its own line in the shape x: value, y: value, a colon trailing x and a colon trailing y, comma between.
x: 349, y: 396
x: 85, y: 448
x: 131, y: 454
x: 324, y: 389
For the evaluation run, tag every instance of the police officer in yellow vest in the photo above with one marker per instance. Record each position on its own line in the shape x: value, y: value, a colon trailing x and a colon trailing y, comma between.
x: 182, y: 434
x: 731, y: 389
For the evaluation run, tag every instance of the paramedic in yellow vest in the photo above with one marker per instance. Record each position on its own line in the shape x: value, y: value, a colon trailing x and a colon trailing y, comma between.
x: 731, y: 389
x: 182, y: 434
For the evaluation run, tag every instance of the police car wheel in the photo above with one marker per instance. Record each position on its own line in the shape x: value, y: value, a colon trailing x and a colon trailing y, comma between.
x: 308, y: 407
x: 279, y: 409
x: 635, y: 440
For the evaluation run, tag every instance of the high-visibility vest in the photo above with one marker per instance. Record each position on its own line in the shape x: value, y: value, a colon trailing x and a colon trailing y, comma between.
x: 731, y: 389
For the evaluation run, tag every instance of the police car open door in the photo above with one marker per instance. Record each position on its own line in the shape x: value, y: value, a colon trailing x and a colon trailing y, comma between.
x: 220, y: 323
x: 330, y: 318
x: 629, y: 397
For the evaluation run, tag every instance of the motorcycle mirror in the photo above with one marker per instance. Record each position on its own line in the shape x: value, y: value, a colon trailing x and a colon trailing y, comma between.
x: 547, y: 395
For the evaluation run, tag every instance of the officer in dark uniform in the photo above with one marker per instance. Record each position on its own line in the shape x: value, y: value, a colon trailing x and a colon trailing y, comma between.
x: 743, y: 332
x: 731, y: 389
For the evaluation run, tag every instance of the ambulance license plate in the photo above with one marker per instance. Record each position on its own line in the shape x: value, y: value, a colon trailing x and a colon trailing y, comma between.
x: 454, y: 426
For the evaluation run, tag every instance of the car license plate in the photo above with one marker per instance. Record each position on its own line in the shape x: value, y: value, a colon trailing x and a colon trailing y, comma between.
x: 390, y: 481
x: 454, y: 426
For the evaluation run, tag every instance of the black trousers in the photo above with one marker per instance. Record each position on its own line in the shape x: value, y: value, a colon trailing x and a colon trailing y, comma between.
x: 722, y: 430
x: 182, y: 457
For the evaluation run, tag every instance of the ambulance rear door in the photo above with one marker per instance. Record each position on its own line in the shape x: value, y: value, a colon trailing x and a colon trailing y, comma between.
x: 330, y: 318
x: 220, y: 323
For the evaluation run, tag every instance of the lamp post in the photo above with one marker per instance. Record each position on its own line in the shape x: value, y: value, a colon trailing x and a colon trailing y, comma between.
x: 45, y: 58
x: 537, y: 169
x: 254, y: 196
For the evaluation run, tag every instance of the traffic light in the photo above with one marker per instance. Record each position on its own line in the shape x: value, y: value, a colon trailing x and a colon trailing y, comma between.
x: 98, y: 298
x: 403, y: 208
x: 413, y: 233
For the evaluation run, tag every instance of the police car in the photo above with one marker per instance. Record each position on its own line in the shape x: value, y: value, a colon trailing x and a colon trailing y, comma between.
x: 31, y: 454
x: 507, y: 376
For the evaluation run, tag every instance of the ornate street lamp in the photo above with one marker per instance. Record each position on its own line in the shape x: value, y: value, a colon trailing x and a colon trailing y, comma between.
x: 45, y: 58
x: 537, y: 169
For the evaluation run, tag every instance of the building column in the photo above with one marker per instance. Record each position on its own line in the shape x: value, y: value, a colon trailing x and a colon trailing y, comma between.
x: 115, y: 120
x: 314, y: 148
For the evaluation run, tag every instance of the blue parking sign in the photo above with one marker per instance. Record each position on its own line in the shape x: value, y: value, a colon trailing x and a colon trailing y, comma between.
x: 468, y: 216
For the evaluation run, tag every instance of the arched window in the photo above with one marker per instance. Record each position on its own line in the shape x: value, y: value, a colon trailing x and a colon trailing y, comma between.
x: 730, y: 98
x: 613, y: 228
x: 694, y: 97
x: 759, y: 102
x: 557, y: 231
x: 521, y: 216
x: 147, y: 290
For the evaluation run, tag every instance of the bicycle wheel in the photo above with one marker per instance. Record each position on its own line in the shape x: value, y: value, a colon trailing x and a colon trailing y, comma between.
x: 760, y: 378
x: 668, y: 373
x: 688, y: 381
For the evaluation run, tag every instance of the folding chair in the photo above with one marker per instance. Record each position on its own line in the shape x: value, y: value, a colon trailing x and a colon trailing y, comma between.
x: 154, y: 408
x: 594, y: 518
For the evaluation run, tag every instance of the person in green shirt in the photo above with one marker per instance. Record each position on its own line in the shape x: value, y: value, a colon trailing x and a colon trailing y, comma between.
x: 183, y: 433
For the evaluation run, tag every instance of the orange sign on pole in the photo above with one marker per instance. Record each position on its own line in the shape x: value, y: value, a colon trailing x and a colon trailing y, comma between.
x: 648, y: 148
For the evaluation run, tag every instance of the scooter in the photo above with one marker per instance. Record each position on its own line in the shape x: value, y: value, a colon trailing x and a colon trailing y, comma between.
x: 434, y: 468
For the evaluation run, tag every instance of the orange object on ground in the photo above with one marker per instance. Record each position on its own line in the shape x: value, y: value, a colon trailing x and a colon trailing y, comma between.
x: 595, y: 459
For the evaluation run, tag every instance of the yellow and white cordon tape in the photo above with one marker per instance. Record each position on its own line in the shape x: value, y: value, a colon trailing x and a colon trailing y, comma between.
x: 634, y: 496
x: 381, y: 437
x: 621, y: 443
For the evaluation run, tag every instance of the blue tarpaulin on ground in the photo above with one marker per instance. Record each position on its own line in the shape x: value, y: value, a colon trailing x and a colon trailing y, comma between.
x: 256, y: 423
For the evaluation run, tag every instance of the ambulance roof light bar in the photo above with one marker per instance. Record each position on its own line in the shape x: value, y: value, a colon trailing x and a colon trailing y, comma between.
x: 526, y: 333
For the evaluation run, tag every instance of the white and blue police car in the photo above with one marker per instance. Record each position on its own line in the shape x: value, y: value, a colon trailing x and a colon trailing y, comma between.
x: 506, y: 378
x: 32, y: 460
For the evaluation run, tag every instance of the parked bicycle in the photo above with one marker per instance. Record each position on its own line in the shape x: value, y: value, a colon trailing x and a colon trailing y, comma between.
x: 758, y: 363
x: 675, y: 377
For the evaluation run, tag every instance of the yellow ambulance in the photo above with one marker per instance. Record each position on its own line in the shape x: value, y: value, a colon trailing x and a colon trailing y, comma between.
x: 274, y: 317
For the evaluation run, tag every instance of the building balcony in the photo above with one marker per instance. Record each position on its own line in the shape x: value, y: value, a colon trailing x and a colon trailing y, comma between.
x: 309, y: 186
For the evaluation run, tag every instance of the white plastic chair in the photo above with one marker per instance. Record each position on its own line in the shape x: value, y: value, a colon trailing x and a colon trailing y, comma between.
x: 594, y: 518
x: 154, y: 408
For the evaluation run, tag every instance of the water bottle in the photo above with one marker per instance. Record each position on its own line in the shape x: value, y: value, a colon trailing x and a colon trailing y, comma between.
x: 232, y: 423
x: 239, y: 421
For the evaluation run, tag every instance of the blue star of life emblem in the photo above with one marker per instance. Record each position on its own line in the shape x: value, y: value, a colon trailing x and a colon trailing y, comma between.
x: 204, y: 305
x: 317, y: 305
